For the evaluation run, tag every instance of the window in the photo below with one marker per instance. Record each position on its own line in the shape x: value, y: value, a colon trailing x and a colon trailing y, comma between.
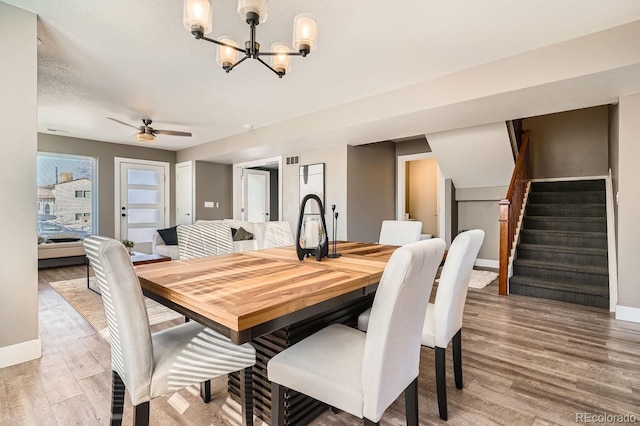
x: 65, y: 205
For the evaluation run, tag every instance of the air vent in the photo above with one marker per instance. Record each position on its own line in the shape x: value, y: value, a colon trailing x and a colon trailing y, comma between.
x: 291, y: 161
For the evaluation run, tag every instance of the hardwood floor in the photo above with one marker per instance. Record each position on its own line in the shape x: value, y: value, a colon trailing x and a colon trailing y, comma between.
x: 526, y: 362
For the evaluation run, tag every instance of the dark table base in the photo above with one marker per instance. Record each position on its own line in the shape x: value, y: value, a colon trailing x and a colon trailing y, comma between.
x: 299, y: 408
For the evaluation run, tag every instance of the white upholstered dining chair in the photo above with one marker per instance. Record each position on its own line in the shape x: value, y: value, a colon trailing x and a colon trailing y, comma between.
x: 150, y: 365
x: 400, y: 232
x: 443, y: 322
x: 364, y: 373
x: 204, y: 239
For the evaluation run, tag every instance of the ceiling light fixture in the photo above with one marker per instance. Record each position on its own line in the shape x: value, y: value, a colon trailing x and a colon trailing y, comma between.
x: 198, y: 19
x: 145, y: 137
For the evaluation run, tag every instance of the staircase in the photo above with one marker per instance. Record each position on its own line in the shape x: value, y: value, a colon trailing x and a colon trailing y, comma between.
x: 562, y: 253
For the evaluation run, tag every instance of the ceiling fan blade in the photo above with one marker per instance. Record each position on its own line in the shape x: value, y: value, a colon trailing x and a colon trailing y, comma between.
x: 170, y: 132
x: 122, y: 122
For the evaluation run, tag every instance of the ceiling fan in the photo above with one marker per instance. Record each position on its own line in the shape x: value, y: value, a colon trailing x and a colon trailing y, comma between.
x: 147, y: 133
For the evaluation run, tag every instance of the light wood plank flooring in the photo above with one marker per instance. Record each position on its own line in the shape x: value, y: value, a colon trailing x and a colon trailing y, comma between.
x: 526, y: 362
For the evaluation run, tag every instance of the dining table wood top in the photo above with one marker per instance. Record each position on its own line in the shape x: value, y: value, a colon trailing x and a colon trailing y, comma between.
x: 246, y: 294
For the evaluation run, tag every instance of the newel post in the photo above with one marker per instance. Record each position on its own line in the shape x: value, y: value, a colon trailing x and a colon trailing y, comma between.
x: 505, y: 247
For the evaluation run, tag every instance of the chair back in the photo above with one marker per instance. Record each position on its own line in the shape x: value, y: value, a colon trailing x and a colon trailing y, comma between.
x: 277, y: 234
x: 204, y: 239
x: 131, y: 347
x: 453, y: 285
x: 392, y: 347
x: 400, y: 232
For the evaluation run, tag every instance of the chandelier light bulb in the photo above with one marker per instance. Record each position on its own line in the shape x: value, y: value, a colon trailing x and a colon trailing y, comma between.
x: 227, y: 56
x: 281, y: 62
x: 198, y: 13
x: 305, y: 33
x: 253, y: 10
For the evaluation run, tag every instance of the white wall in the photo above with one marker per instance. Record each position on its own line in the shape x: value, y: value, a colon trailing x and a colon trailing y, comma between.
x: 335, y: 178
x: 19, y: 341
x: 629, y: 208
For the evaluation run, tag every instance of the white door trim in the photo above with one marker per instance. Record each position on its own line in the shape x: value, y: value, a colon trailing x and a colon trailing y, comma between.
x: 116, y: 178
x: 237, y: 182
x: 400, y: 189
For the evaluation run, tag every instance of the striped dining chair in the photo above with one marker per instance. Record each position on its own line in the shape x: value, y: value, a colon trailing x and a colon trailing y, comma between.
x: 150, y: 365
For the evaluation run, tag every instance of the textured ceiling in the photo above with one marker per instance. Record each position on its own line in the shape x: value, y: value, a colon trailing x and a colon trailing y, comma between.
x: 132, y: 59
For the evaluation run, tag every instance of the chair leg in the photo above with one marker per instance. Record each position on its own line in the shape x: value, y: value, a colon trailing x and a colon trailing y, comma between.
x: 141, y: 414
x: 411, y: 403
x: 368, y: 422
x: 117, y: 399
x: 205, y: 391
x: 246, y: 392
x: 457, y: 358
x: 441, y: 382
x: 277, y: 404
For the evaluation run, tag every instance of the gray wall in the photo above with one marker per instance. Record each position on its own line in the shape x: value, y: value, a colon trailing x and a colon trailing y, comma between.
x: 569, y: 144
x: 478, y: 209
x: 105, y: 153
x: 412, y: 146
x: 19, y: 340
x: 214, y: 182
x: 371, y: 191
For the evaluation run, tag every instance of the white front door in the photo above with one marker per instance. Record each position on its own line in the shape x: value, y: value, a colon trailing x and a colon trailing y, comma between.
x: 256, y: 195
x: 142, y: 199
x: 184, y: 193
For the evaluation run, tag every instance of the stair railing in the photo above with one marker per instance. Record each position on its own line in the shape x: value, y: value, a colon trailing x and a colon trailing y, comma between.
x: 510, y: 211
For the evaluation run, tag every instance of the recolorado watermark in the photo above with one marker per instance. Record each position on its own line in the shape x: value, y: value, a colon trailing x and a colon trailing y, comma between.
x: 606, y: 418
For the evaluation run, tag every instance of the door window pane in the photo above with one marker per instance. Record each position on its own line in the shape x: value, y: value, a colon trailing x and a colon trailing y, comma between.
x: 143, y: 196
x: 143, y: 215
x: 142, y: 177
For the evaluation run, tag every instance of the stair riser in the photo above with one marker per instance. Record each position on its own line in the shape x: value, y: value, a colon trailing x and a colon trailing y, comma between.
x: 561, y: 240
x: 559, y: 275
x: 565, y: 186
x: 566, y: 258
x: 571, y: 210
x: 564, y: 225
x: 563, y: 296
x: 567, y: 198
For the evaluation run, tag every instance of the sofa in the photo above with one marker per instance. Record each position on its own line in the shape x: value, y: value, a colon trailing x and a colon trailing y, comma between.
x: 265, y: 235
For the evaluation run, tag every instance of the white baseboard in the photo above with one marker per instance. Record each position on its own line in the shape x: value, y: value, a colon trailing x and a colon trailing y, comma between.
x: 627, y: 313
x: 487, y: 263
x: 20, y: 352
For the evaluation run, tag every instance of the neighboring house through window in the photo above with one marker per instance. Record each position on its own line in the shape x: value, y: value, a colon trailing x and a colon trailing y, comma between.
x: 65, y: 203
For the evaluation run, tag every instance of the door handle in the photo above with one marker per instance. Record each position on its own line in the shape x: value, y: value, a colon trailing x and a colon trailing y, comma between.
x: 187, y: 214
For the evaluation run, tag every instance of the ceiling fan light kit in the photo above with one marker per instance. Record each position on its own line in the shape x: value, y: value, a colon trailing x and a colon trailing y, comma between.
x: 198, y: 19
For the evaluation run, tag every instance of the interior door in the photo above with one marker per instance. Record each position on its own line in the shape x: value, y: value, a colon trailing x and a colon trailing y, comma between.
x: 142, y: 202
x: 184, y: 193
x: 256, y: 195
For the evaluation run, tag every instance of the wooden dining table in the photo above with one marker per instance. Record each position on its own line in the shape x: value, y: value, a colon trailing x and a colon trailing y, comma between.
x: 271, y: 299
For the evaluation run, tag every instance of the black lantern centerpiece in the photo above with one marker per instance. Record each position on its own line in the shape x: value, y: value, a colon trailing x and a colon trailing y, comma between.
x: 311, y: 239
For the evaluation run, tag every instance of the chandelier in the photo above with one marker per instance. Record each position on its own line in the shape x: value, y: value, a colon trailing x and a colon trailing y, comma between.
x: 198, y: 18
